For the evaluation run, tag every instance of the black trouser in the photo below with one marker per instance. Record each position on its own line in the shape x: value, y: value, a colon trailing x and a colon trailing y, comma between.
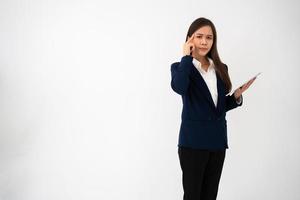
x: 201, y: 172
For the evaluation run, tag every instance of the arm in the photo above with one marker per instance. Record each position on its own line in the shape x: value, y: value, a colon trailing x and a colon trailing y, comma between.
x: 180, y: 74
x: 232, y: 103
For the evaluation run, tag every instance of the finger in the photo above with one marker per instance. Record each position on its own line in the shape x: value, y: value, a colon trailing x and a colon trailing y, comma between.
x: 243, y: 89
x: 247, y: 85
x: 190, y: 38
x: 243, y: 86
x: 250, y: 81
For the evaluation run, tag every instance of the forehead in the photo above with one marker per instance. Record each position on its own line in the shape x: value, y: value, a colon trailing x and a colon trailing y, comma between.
x: 205, y: 30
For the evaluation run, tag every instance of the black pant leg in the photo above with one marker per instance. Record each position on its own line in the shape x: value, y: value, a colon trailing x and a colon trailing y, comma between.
x: 212, y: 175
x: 193, y: 163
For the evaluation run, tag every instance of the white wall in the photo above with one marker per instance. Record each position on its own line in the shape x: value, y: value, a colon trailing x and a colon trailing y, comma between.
x: 87, y: 111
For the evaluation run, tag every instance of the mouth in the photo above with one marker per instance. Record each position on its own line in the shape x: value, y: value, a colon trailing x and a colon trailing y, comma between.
x: 203, y: 49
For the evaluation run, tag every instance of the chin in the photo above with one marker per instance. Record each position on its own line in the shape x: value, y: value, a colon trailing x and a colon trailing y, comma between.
x: 202, y: 53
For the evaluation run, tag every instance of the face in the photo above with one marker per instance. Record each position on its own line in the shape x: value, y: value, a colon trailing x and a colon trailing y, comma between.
x: 203, y: 40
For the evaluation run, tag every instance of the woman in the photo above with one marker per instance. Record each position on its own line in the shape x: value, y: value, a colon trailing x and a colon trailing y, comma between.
x: 203, y: 82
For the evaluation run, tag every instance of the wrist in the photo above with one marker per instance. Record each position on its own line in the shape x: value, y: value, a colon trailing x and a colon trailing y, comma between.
x: 239, y: 100
x: 235, y: 96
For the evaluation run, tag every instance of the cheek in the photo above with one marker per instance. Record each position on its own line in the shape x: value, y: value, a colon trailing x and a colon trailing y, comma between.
x: 196, y: 40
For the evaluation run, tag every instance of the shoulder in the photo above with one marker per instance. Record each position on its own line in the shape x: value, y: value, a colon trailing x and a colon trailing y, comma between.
x: 185, y: 60
x: 174, y: 65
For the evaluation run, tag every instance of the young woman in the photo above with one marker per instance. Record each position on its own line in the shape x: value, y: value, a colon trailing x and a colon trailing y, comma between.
x: 203, y: 82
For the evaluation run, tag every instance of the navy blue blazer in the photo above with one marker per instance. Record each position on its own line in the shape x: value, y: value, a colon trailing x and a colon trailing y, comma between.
x: 203, y: 125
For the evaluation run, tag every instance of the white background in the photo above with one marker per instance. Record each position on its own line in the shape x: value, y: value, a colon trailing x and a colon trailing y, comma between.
x: 87, y: 111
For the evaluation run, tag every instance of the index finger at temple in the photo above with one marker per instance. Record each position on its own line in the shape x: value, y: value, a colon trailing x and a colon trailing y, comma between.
x: 191, y: 37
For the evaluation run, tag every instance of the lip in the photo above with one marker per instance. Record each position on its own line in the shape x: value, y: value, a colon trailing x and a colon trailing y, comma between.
x: 203, y: 49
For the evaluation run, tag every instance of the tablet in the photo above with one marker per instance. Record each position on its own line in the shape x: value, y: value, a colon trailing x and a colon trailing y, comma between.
x: 251, y: 79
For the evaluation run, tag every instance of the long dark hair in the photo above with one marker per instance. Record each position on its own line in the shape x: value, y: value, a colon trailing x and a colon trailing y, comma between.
x: 221, y: 68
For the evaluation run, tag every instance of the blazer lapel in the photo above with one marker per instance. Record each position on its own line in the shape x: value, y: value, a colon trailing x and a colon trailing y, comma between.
x: 201, y: 84
x: 221, y: 93
x: 199, y: 81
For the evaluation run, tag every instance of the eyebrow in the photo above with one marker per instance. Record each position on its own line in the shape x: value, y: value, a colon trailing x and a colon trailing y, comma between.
x: 203, y: 34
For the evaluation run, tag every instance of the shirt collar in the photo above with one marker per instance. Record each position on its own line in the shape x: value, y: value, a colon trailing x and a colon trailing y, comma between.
x: 198, y: 65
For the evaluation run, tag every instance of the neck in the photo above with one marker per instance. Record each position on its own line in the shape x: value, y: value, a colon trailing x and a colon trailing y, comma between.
x: 203, y: 60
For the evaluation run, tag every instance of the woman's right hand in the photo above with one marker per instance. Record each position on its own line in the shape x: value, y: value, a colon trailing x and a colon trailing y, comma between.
x: 189, y: 46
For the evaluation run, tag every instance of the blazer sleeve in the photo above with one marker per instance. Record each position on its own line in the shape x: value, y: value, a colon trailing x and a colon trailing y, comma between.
x: 232, y: 103
x: 230, y: 100
x: 180, y: 72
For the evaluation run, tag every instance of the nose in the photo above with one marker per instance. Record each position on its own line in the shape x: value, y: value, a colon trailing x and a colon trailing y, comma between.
x: 203, y: 41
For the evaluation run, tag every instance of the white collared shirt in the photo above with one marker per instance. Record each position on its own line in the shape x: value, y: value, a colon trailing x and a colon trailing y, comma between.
x: 209, y: 77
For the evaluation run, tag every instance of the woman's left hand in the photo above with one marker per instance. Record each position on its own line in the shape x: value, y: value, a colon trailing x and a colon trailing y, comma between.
x: 238, y: 92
